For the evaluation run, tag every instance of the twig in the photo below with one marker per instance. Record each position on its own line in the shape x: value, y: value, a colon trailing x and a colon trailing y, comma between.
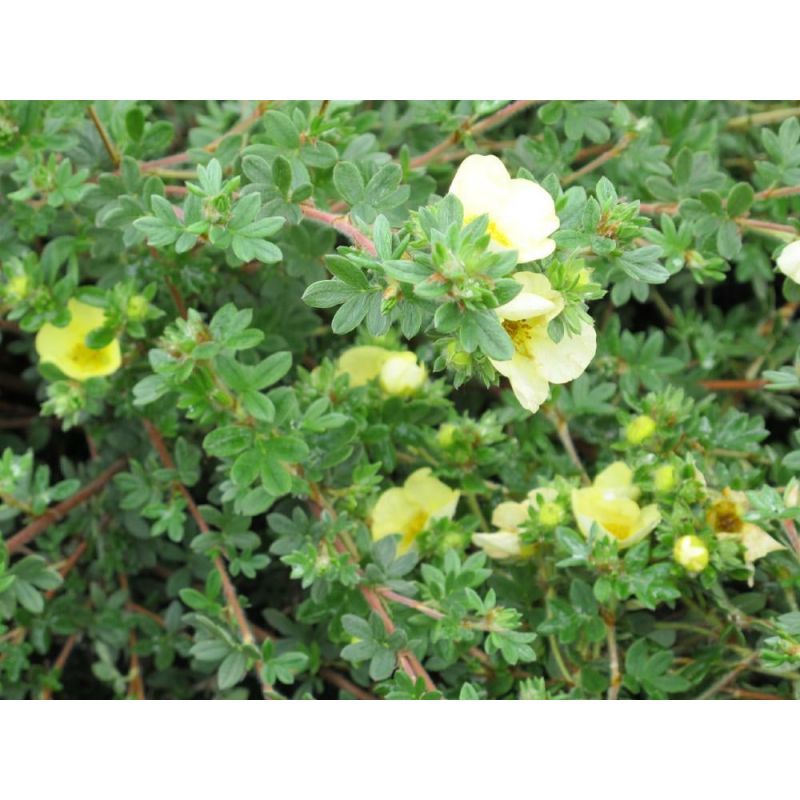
x: 615, y: 679
x: 60, y: 662
x: 58, y: 512
x: 762, y: 118
x: 728, y: 678
x: 562, y: 429
x: 733, y: 385
x: 339, y: 680
x: 107, y: 143
x: 492, y: 121
x: 181, y: 158
x: 592, y: 165
x: 228, y: 589
x: 340, y: 224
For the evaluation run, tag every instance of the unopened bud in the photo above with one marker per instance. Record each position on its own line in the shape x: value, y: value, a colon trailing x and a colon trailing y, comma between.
x: 691, y: 553
x: 640, y: 428
x: 664, y: 478
x: 401, y: 375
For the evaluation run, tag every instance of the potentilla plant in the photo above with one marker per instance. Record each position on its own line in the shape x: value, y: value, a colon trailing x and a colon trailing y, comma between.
x: 402, y: 400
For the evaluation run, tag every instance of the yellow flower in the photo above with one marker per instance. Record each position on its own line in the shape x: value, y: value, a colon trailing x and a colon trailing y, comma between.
x: 610, y: 503
x: 505, y: 543
x: 726, y: 519
x: 409, y: 509
x: 789, y: 261
x: 399, y: 373
x: 691, y: 553
x: 538, y: 360
x: 521, y: 213
x: 66, y: 347
x: 640, y: 429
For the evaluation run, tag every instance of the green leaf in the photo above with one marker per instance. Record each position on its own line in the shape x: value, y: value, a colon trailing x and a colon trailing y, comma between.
x: 348, y: 182
x: 232, y: 669
x: 227, y: 440
x: 740, y: 198
x: 482, y: 329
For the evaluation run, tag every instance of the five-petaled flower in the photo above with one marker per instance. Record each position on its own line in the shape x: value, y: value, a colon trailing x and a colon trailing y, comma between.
x: 521, y: 213
x: 610, y: 504
x: 409, y: 509
x: 538, y: 360
x: 508, y: 518
x: 67, y: 349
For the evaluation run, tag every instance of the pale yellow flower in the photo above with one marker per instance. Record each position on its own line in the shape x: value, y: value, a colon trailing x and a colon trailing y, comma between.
x: 691, y: 553
x: 726, y: 519
x: 398, y: 372
x: 409, y: 510
x: 539, y: 361
x: 789, y: 261
x: 66, y: 347
x: 610, y: 503
x: 402, y: 375
x: 505, y: 543
x: 521, y: 213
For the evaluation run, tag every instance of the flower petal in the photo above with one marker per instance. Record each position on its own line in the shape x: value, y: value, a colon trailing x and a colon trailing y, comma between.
x: 560, y: 362
x: 509, y: 516
x: 362, y: 364
x: 527, y: 383
x: 481, y: 184
x: 437, y: 499
x: 501, y: 545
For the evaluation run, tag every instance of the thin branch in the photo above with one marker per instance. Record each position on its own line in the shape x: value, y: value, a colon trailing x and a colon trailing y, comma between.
x: 60, y: 662
x: 592, y: 165
x: 107, y: 143
x: 615, y: 679
x: 492, y: 121
x: 341, y: 682
x: 58, y: 512
x: 242, y: 126
x: 228, y: 589
x: 340, y: 224
x: 762, y: 118
x: 728, y: 678
x: 733, y: 385
x: 562, y: 429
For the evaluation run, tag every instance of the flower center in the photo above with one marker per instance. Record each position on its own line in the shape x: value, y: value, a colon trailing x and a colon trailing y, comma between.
x: 88, y: 359
x: 724, y: 516
x: 495, y: 233
x: 520, y: 331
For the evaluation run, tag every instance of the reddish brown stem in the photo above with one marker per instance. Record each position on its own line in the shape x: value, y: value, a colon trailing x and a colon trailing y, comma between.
x: 228, y: 588
x: 340, y: 681
x: 60, y: 662
x: 340, y: 224
x: 733, y: 385
x: 58, y: 512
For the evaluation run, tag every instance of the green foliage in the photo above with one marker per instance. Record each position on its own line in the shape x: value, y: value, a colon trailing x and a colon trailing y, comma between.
x: 237, y: 251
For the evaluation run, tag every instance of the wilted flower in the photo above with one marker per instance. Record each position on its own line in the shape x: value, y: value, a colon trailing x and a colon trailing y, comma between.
x: 726, y: 519
x: 409, y: 510
x: 66, y: 347
x: 521, y: 213
x: 691, y: 553
x: 538, y: 360
x: 398, y: 372
x: 610, y: 502
x: 508, y: 517
x: 789, y: 261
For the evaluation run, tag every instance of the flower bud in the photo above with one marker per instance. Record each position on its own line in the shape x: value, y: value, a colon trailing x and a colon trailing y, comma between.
x: 446, y: 434
x: 789, y: 261
x: 791, y: 495
x: 401, y: 375
x: 664, y: 478
x: 550, y: 514
x: 137, y: 307
x: 18, y: 287
x: 691, y: 553
x: 640, y: 428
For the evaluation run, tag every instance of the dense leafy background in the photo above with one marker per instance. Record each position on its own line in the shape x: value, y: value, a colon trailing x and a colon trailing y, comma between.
x: 229, y: 555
